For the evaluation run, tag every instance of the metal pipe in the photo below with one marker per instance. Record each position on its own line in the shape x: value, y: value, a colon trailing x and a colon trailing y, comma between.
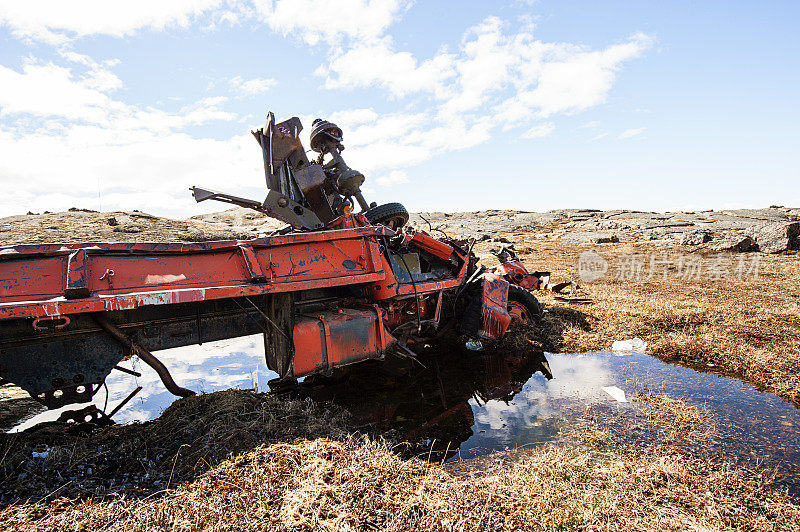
x: 124, y: 402
x: 145, y: 355
x: 361, y: 201
x: 128, y: 371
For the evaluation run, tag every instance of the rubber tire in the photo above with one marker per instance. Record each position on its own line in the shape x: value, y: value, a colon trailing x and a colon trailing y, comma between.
x: 392, y: 215
x: 528, y: 300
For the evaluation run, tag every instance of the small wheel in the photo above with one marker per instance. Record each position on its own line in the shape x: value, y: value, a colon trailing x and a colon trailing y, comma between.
x: 392, y: 215
x: 523, y: 307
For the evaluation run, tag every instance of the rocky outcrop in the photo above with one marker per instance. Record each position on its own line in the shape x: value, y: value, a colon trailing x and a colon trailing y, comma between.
x: 714, y: 230
x: 777, y: 237
x: 734, y: 244
x: 695, y: 238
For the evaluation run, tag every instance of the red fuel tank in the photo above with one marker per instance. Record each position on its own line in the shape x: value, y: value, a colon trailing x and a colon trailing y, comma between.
x: 338, y: 337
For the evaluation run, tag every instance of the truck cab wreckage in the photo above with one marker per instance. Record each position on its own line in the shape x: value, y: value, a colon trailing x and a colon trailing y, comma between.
x: 332, y: 288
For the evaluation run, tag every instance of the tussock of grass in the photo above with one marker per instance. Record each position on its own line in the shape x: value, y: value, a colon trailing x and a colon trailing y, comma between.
x: 663, y: 491
x: 360, y: 484
x: 190, y: 437
x: 686, y: 422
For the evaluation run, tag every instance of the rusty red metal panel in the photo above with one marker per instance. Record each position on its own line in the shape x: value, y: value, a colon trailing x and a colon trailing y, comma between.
x: 336, y: 338
x: 435, y: 247
x: 310, y: 349
x: 118, y: 277
x: 33, y: 279
x: 495, y: 317
x: 514, y: 270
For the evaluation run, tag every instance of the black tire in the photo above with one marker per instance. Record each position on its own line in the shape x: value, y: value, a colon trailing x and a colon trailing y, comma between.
x: 392, y: 215
x: 528, y: 300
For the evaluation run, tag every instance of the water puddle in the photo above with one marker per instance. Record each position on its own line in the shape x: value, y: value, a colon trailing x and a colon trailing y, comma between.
x: 468, y: 405
x: 213, y: 366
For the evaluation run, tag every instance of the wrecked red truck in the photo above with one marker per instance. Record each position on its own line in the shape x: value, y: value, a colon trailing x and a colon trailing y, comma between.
x: 332, y: 288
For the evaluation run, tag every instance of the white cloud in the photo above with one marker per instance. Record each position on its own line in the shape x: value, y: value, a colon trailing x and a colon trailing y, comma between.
x: 564, y: 78
x: 542, y: 130
x: 63, y: 132
x: 630, y: 133
x: 589, y: 125
x: 46, y: 89
x: 313, y: 21
x: 136, y: 169
x: 390, y: 141
x: 377, y: 64
x: 56, y: 22
x: 543, y: 78
x: 50, y: 91
x: 495, y: 78
x: 323, y: 20
x: 354, y: 117
x: 395, y: 177
x: 600, y: 136
x: 250, y: 87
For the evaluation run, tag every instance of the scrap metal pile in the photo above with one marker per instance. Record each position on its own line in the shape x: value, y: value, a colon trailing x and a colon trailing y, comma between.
x: 334, y: 287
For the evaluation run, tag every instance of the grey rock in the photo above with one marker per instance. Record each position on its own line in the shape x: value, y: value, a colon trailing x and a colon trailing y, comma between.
x: 734, y: 244
x: 610, y: 239
x: 777, y: 237
x: 584, y: 237
x: 205, y: 234
x: 10, y: 219
x: 130, y: 228
x: 119, y: 219
x: 695, y: 238
x: 771, y: 214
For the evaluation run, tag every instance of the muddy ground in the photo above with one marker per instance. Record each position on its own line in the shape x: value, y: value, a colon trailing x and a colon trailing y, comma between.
x: 712, y: 290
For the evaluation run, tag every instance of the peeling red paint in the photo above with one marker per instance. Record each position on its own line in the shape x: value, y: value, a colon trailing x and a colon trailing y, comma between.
x: 34, y: 278
x: 495, y: 306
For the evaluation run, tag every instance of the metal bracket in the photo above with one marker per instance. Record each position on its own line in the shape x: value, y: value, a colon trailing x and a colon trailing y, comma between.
x: 77, y: 285
x: 275, y: 205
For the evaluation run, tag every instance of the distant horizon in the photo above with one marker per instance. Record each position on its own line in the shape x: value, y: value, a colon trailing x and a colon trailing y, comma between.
x: 224, y: 209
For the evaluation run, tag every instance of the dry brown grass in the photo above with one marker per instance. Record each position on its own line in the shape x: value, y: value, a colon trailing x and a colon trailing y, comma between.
x: 359, y: 484
x: 190, y: 437
x: 748, y: 329
x: 685, y: 421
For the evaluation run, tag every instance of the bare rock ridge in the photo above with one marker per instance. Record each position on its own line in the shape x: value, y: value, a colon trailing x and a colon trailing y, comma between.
x: 79, y: 225
x: 771, y: 230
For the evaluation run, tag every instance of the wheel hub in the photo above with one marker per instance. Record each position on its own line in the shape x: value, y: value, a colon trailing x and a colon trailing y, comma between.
x: 519, y: 314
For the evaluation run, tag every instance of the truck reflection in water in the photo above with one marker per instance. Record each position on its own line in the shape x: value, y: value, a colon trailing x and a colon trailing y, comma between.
x: 438, y: 403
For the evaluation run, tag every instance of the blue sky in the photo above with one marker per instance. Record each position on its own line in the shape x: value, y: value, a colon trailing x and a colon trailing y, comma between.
x: 445, y: 105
